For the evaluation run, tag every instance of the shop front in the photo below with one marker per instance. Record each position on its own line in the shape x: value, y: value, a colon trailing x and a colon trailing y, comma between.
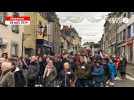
x: 43, y: 47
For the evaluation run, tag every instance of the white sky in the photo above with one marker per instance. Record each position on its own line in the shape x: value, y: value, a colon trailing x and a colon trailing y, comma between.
x: 89, y: 25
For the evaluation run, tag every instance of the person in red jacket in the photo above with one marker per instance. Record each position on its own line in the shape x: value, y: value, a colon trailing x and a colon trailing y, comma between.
x: 117, y: 62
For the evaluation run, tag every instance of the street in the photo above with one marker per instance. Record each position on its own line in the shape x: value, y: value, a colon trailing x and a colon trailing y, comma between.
x: 129, y: 82
x: 124, y: 83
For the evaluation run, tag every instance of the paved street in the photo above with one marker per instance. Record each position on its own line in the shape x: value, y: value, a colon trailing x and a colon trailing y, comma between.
x: 130, y: 78
x: 130, y: 70
x: 125, y: 83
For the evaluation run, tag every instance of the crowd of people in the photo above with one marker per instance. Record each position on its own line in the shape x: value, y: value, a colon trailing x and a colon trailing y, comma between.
x: 62, y: 70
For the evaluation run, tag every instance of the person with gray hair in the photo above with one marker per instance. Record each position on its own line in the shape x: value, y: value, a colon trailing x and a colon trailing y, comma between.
x: 66, y: 76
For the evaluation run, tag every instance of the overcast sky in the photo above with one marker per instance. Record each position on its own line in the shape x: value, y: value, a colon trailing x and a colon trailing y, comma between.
x: 89, y: 25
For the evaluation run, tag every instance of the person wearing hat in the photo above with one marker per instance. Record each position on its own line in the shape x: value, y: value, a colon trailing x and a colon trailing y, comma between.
x: 7, y: 76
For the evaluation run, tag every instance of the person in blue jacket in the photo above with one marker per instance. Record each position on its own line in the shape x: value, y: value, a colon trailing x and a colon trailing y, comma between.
x: 98, y: 74
x: 112, y: 71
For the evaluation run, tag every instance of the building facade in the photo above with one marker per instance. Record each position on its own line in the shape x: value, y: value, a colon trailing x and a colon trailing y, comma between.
x: 54, y: 32
x: 29, y: 35
x: 70, y: 39
x: 11, y: 36
x: 118, y: 38
x: 42, y: 43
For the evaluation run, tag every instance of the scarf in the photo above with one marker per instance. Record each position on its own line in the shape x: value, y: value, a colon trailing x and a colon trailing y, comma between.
x: 48, y: 71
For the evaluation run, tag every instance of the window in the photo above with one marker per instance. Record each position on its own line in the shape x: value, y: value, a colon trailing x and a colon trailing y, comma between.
x: 1, y: 17
x: 120, y: 36
x: 15, y: 28
x: 45, y: 31
x: 29, y: 51
x: 124, y: 35
x: 129, y: 31
x: 40, y: 28
x: 2, y: 14
x: 129, y: 14
x: 133, y: 28
x: 131, y: 53
x: 1, y: 41
x: 14, y: 50
x: 124, y: 15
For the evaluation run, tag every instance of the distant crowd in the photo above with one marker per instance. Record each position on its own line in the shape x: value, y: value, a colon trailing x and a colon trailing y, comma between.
x: 62, y: 70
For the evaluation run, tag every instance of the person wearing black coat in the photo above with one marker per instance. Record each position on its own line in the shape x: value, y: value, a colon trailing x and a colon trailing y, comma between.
x: 41, y: 70
x: 66, y: 76
x: 33, y: 72
x: 19, y: 78
x: 58, y: 66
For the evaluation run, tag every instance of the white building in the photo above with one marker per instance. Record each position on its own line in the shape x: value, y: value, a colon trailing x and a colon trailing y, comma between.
x: 125, y: 37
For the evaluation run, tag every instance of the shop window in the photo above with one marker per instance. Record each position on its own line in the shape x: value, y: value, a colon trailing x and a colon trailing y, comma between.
x: 29, y: 51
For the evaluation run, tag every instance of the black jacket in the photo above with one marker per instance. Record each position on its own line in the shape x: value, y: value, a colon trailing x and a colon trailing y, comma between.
x: 19, y: 79
x: 65, y: 78
x: 41, y: 68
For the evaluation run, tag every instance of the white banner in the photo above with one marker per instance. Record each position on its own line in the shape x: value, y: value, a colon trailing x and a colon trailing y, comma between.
x: 17, y: 22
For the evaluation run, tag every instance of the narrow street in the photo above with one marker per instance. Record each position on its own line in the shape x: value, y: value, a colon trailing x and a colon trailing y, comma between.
x: 66, y: 49
x: 125, y: 83
x: 130, y: 78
